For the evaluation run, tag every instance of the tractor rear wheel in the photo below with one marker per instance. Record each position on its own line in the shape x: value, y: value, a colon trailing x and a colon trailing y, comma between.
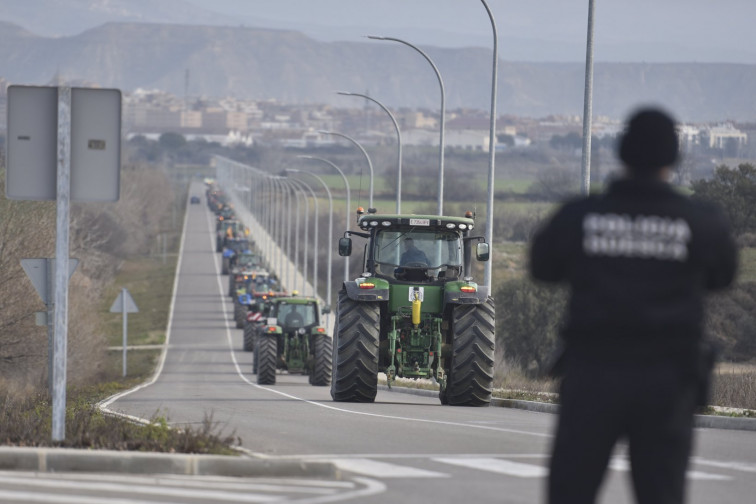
x: 224, y: 266
x: 266, y: 353
x: 322, y: 365
x: 249, y: 335
x: 255, y: 360
x: 470, y: 377
x: 240, y: 314
x: 356, y: 351
x: 231, y: 285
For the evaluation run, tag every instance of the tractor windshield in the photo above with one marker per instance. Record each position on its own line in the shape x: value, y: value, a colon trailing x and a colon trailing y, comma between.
x: 412, y: 252
x: 291, y: 315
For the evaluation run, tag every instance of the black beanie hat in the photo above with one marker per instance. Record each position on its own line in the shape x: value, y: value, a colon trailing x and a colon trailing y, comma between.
x: 649, y: 142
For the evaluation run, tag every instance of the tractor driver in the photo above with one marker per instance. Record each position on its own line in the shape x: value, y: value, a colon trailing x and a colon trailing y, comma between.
x: 412, y: 254
x: 295, y: 318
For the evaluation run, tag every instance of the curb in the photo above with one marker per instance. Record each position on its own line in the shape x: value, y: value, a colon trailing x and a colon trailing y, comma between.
x: 110, y: 461
x: 700, y: 421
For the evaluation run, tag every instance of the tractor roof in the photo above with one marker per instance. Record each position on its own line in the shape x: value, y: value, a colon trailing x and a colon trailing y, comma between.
x: 295, y: 300
x: 384, y: 221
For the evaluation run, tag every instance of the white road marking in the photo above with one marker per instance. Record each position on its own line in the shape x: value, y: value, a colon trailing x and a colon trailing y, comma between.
x: 623, y: 464
x: 735, y: 466
x: 228, y: 483
x: 498, y: 466
x: 9, y: 495
x: 378, y: 469
x: 133, y: 489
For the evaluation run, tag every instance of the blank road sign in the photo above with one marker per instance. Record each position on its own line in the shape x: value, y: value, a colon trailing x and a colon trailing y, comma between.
x: 32, y: 143
x: 32, y: 153
x: 95, y: 144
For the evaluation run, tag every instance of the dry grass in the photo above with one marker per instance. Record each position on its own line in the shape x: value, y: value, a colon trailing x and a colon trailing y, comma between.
x: 25, y: 420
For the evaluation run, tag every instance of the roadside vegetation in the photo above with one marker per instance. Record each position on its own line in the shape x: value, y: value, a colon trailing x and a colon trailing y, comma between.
x: 132, y: 243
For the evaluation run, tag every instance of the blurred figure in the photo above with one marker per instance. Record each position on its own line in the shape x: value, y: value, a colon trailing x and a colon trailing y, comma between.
x: 638, y: 260
x: 412, y: 254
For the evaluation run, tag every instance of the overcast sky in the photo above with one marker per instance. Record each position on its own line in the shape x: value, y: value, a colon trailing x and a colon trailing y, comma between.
x: 542, y: 30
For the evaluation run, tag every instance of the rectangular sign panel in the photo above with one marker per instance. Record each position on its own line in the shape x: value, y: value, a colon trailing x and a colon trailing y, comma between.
x: 32, y: 153
x: 31, y: 156
x: 95, y: 144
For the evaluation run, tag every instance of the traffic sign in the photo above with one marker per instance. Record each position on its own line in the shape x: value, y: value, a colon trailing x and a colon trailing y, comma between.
x: 40, y: 270
x: 124, y: 303
x: 32, y: 138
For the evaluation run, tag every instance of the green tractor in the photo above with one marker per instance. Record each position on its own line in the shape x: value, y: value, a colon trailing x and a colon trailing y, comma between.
x: 294, y: 340
x: 415, y: 312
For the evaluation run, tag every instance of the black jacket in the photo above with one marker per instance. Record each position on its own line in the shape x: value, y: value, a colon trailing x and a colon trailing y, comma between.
x: 638, y: 260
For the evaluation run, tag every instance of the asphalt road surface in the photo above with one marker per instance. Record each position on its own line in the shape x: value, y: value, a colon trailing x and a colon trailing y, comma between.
x: 401, y: 447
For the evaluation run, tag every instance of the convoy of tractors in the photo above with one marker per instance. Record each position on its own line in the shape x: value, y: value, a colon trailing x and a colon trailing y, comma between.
x: 415, y: 312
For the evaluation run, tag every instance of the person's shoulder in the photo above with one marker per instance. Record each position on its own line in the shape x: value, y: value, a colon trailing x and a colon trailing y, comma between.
x: 577, y: 206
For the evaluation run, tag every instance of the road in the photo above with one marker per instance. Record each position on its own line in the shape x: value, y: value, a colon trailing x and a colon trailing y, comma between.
x: 401, y: 447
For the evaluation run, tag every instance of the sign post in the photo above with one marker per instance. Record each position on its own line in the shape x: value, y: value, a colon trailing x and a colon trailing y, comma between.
x: 124, y: 304
x: 41, y: 272
x: 79, y: 160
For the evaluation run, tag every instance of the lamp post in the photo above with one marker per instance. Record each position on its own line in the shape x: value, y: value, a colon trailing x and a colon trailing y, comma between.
x: 398, y: 144
x: 491, y: 147
x: 585, y: 170
x: 330, y: 233
x: 316, y: 252
x: 442, y: 121
x: 364, y: 152
x: 348, y: 203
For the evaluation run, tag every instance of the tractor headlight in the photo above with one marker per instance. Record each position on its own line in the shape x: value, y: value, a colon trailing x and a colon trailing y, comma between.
x: 450, y: 225
x: 386, y: 223
x: 301, y: 330
x: 463, y: 226
x: 373, y: 223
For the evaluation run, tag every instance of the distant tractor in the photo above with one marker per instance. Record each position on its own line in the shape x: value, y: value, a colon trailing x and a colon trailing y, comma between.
x: 227, y: 228
x: 415, y: 312
x: 294, y: 340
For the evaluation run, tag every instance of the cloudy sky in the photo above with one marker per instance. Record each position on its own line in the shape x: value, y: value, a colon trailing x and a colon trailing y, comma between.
x: 541, y: 30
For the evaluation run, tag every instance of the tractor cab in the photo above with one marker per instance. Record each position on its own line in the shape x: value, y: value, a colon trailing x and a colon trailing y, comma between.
x: 416, y: 249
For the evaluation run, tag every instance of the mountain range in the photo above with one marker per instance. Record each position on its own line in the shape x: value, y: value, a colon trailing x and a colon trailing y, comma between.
x: 291, y: 67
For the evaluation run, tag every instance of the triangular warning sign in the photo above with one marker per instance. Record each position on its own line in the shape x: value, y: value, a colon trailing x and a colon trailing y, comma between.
x: 124, y: 303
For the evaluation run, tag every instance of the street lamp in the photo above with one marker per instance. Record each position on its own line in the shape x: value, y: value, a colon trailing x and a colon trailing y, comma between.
x: 364, y: 152
x: 330, y: 232
x: 348, y: 203
x: 398, y: 149
x: 585, y: 170
x: 443, y: 115
x: 491, y: 148
x: 316, y: 252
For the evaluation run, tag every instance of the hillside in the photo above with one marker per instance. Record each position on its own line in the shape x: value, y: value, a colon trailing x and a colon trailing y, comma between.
x: 290, y: 67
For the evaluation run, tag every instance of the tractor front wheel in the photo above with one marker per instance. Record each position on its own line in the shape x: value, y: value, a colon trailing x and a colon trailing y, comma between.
x: 356, y: 351
x: 320, y: 374
x: 249, y: 335
x: 266, y: 353
x: 470, y: 377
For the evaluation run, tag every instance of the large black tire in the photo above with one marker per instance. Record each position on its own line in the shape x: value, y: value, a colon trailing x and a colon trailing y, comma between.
x: 231, y: 286
x: 249, y: 337
x: 218, y: 245
x: 266, y: 354
x: 224, y: 266
x: 240, y: 314
x: 470, y: 377
x: 255, y: 359
x: 356, y: 351
x: 322, y: 365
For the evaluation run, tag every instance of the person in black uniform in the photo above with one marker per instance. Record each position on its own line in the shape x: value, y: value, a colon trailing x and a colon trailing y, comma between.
x: 639, y: 260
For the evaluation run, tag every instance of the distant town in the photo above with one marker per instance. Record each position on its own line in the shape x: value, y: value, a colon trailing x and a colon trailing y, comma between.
x: 233, y: 121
